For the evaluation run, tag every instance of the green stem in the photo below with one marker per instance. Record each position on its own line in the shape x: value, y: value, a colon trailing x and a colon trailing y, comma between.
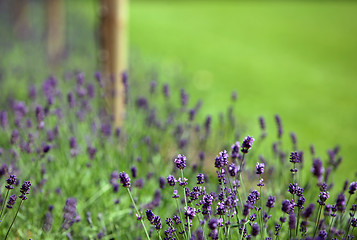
x: 188, y: 221
x: 158, y: 233
x: 3, y: 205
x: 13, y: 220
x: 241, y: 236
x: 137, y: 211
x: 318, y: 220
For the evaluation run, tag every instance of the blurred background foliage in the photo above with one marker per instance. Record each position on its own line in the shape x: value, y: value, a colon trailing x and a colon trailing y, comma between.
x: 294, y: 58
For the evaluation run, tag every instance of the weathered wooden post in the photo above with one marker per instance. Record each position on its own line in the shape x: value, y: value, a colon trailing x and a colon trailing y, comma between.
x: 20, y: 14
x: 113, y: 40
x: 55, y: 16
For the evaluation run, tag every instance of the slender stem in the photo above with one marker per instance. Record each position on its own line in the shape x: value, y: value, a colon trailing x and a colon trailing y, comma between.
x: 297, y: 225
x: 137, y: 211
x: 158, y: 233
x: 241, y: 236
x: 317, y: 221
x: 13, y: 220
x: 188, y: 221
x: 183, y: 228
x: 3, y: 205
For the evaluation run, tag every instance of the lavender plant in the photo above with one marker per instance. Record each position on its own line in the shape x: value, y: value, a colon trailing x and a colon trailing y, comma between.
x: 90, y: 180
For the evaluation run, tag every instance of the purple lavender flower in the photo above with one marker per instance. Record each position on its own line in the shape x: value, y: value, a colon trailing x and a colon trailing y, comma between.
x: 184, y: 97
x: 322, y: 235
x: 341, y: 202
x: 191, y: 114
x: 72, y: 142
x: 278, y: 123
x: 24, y: 190
x: 134, y: 171
x: 157, y: 222
x: 106, y: 129
x: 317, y: 168
x: 323, y: 197
x: 221, y: 160
x: 124, y: 179
x: 292, y: 220
x: 233, y: 169
x: 11, y: 202
x: 11, y: 181
x: 150, y: 215
x: 91, y: 152
x: 3, y: 119
x: 14, y: 136
x: 270, y: 202
x: 190, y: 212
x: 235, y: 150
x: 171, y: 180
x: 353, y: 188
x: 253, y: 197
x: 71, y: 100
x: 259, y: 168
x: 262, y: 123
x: 175, y: 194
x: 142, y: 102
x: 180, y: 161
x: 295, y: 157
x: 200, y: 178
x: 287, y: 206
x: 247, y: 144
x: 255, y: 229
x: 162, y: 182
x: 69, y: 213
x: 90, y: 90
x: 208, y: 124
x: 166, y: 91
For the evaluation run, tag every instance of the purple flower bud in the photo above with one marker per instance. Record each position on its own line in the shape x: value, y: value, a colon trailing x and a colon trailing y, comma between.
x: 341, y: 202
x: 134, y: 171
x: 295, y: 157
x: 255, y: 229
x: 11, y: 181
x: 221, y: 160
x: 259, y: 168
x: 69, y: 213
x: 124, y: 179
x: 323, y: 197
x: 278, y: 122
x: 292, y: 220
x: 91, y: 152
x: 235, y: 150
x: 175, y: 195
x: 90, y: 90
x: 171, y: 180
x: 200, y: 178
x: 287, y: 206
x: 353, y: 188
x: 3, y: 119
x: 14, y: 136
x: 180, y: 161
x: 262, y: 123
x: 11, y: 202
x: 166, y: 91
x: 233, y: 169
x: 24, y: 190
x: 270, y: 202
x: 184, y: 97
x: 247, y: 144
x: 317, y: 168
x: 72, y: 143
x: 208, y: 124
x: 162, y: 182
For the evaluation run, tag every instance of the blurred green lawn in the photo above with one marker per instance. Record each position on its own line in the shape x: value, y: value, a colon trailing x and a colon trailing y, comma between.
x: 298, y: 59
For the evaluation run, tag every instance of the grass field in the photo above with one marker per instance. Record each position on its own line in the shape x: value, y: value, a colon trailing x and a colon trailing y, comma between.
x: 297, y: 59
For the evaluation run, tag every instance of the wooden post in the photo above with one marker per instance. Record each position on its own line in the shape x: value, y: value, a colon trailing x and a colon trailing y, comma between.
x: 20, y: 13
x: 55, y: 15
x: 113, y: 39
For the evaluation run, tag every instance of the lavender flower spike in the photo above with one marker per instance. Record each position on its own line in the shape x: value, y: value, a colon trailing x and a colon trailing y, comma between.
x: 25, y: 188
x: 124, y: 179
x: 180, y: 161
x: 247, y: 144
